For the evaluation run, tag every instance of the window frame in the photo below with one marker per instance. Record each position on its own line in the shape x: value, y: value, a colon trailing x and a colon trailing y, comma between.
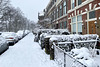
x: 57, y: 12
x: 64, y: 7
x: 92, y: 14
x: 79, y: 21
x: 60, y: 25
x: 79, y: 3
x: 72, y: 4
x: 60, y: 12
x: 65, y: 24
x: 73, y: 23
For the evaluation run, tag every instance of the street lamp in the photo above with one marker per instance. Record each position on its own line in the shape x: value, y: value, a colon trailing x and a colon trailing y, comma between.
x: 95, y: 24
x: 82, y: 24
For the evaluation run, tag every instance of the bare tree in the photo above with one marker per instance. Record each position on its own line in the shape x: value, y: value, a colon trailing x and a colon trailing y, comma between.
x: 13, y: 19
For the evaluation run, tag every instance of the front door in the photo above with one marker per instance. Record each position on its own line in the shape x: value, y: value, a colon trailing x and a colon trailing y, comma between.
x: 92, y: 28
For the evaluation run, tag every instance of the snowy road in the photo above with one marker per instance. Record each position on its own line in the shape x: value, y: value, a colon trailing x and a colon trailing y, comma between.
x: 26, y: 53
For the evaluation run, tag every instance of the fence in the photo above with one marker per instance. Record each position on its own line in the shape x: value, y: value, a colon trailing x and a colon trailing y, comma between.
x: 63, y: 59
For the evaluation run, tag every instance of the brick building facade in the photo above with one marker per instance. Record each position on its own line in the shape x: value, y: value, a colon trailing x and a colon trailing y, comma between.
x: 83, y: 16
x: 78, y: 16
x: 57, y: 12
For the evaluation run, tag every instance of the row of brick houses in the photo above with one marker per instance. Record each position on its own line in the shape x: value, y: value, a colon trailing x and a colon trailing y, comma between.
x: 78, y: 16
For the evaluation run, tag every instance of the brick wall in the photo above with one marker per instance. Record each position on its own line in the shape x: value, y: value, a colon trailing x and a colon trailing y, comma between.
x: 69, y: 4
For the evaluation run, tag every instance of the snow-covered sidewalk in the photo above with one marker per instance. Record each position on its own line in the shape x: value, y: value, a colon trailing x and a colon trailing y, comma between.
x: 26, y: 53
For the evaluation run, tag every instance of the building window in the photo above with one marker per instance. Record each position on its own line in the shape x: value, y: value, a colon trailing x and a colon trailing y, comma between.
x: 65, y: 24
x: 54, y: 15
x: 74, y: 24
x: 79, y: 22
x: 74, y: 28
x: 73, y: 3
x: 80, y: 27
x: 51, y: 17
x: 60, y: 25
x: 57, y: 12
x: 64, y: 8
x: 79, y: 18
x: 74, y: 20
x: 60, y: 12
x: 91, y: 14
x: 79, y: 2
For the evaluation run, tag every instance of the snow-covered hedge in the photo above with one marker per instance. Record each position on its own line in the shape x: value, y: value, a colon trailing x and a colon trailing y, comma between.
x: 88, y: 40
x: 75, y: 37
x: 53, y: 31
x: 49, y: 32
x: 62, y: 38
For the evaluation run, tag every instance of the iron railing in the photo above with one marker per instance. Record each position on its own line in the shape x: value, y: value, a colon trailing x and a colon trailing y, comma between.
x: 63, y: 59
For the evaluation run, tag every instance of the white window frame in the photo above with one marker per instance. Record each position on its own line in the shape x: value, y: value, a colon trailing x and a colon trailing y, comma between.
x: 72, y: 1
x: 60, y: 12
x: 73, y: 23
x: 89, y: 14
x: 57, y: 12
x: 76, y: 22
x: 79, y: 22
x: 64, y: 8
x: 77, y: 3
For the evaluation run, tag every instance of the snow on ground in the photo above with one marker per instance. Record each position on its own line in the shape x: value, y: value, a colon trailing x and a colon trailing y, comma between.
x: 97, y: 59
x: 26, y: 53
x: 84, y: 56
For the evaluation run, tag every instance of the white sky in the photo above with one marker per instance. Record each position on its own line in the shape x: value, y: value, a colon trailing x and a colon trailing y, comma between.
x: 30, y: 7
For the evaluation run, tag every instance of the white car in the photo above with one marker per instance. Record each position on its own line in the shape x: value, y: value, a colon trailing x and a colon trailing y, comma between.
x: 20, y: 34
x: 3, y: 44
x: 11, y: 37
x: 27, y: 32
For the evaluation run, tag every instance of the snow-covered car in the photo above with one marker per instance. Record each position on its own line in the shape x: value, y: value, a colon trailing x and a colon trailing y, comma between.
x: 27, y: 32
x: 20, y: 34
x: 3, y: 44
x: 11, y: 37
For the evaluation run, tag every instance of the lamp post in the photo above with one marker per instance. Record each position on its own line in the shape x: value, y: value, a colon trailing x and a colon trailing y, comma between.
x: 95, y: 23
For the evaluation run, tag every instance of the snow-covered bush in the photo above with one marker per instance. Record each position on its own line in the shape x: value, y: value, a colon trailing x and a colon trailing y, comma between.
x: 84, y: 56
x: 53, y: 31
x: 80, y: 53
x: 63, y: 38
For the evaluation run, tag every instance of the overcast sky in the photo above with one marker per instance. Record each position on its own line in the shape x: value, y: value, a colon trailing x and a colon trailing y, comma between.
x: 30, y: 7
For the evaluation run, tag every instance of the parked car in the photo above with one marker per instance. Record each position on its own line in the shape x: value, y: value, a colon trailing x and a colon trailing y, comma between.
x: 3, y: 45
x: 11, y: 37
x: 20, y: 34
x: 27, y: 32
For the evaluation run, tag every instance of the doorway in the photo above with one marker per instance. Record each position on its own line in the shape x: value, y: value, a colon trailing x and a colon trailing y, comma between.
x: 92, y: 27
